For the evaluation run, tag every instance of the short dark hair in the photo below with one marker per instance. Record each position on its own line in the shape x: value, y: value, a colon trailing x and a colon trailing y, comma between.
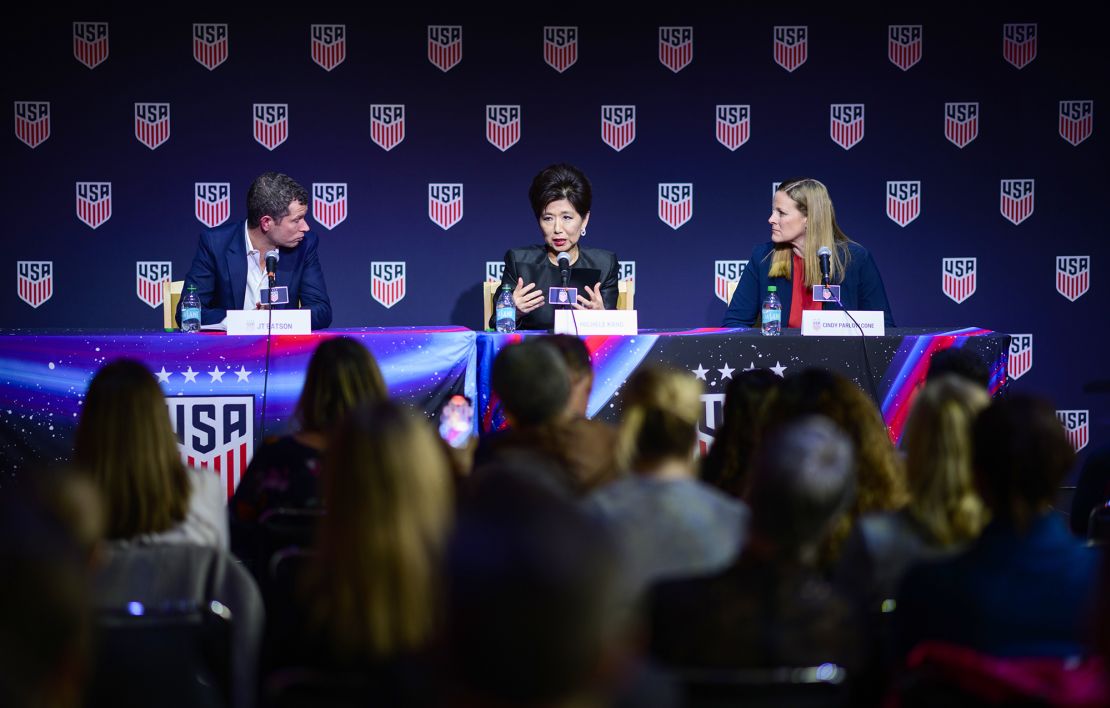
x: 270, y: 194
x: 574, y: 352
x: 557, y: 182
x: 962, y: 362
x: 532, y: 382
x: 342, y: 374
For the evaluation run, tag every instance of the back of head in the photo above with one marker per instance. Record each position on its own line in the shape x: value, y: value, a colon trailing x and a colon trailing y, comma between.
x: 532, y: 382
x: 659, y: 418
x: 962, y: 362
x: 576, y: 356
x: 342, y: 374
x: 726, y: 465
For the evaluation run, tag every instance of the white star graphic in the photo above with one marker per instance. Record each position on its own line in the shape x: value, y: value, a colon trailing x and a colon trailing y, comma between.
x: 190, y: 375
x: 243, y: 374
x: 726, y: 373
x: 216, y: 374
x: 163, y: 375
x: 778, y: 368
x: 751, y: 367
x: 700, y: 372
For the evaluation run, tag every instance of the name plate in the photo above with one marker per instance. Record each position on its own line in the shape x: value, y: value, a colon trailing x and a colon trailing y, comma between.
x: 257, y: 321
x: 835, y: 323
x: 583, y: 322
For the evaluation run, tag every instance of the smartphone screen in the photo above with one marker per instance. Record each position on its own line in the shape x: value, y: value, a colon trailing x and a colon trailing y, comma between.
x: 456, y: 421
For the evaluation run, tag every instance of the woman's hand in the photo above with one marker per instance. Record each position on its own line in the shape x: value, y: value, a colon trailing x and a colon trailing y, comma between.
x: 527, y: 297
x: 593, y: 302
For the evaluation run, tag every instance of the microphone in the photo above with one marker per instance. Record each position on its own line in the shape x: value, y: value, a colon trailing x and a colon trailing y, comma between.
x: 272, y: 258
x: 564, y: 267
x: 824, y: 254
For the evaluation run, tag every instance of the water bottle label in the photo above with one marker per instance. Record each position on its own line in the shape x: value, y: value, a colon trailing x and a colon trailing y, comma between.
x: 506, y: 313
x: 770, y: 315
x: 190, y: 313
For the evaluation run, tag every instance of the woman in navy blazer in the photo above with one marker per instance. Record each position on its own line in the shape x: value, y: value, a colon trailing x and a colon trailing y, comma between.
x: 802, y: 221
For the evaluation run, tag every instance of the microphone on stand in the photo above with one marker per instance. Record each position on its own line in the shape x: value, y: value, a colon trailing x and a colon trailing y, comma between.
x: 272, y: 258
x: 564, y: 268
x: 824, y: 254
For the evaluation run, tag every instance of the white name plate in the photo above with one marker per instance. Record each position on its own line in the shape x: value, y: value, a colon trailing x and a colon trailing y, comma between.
x: 257, y: 321
x: 583, y: 322
x: 835, y: 323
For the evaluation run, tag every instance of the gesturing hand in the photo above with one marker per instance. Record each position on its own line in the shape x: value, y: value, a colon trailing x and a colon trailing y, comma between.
x: 593, y: 302
x: 527, y: 297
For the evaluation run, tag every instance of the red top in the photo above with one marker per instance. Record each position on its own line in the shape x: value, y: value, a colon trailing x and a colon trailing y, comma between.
x: 801, y: 297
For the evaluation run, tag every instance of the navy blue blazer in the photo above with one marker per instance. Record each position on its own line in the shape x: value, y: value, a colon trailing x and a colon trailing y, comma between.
x: 219, y: 272
x: 861, y: 289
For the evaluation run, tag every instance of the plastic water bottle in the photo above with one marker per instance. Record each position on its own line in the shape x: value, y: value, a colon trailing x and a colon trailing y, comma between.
x: 506, y: 310
x: 190, y: 311
x: 772, y: 313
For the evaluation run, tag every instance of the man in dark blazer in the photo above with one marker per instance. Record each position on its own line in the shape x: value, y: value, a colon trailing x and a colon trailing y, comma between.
x: 229, y: 266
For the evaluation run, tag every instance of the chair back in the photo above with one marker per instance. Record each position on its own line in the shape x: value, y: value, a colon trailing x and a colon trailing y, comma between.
x: 821, y: 686
x: 1098, y: 526
x: 171, y: 295
x: 732, y: 289
x: 280, y: 529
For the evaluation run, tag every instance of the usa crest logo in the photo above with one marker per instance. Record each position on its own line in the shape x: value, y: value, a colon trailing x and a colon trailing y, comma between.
x: 903, y: 46
x: 959, y: 278
x: 1073, y: 276
x: 1016, y: 200
x: 34, y: 281
x: 90, y: 43
x: 618, y: 126
x: 444, y: 46
x: 445, y: 204
x: 726, y: 273
x: 626, y: 271
x: 329, y: 45
x: 733, y: 125
x: 271, y: 124
x: 1019, y: 43
x: 329, y: 203
x: 961, y: 123
x: 846, y: 124
x: 212, y: 202
x: 791, y: 47
x: 676, y: 47
x: 1075, y: 426
x: 210, y: 44
x: 1077, y: 120
x: 503, y: 126
x: 676, y: 203
x: 560, y: 47
x: 1021, y: 355
x: 903, y: 201
x: 387, y: 282
x: 150, y: 277
x: 713, y: 413
x: 214, y: 434
x: 94, y: 203
x: 494, y: 271
x: 387, y: 125
x: 32, y: 122
x: 152, y: 123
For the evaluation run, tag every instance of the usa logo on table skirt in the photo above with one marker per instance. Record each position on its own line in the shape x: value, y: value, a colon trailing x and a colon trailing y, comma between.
x: 726, y: 273
x: 387, y: 125
x: 1076, y: 426
x: 712, y: 416
x: 152, y: 123
x: 560, y: 47
x: 271, y: 124
x: 1073, y: 276
x: 791, y: 46
x: 329, y: 203
x: 494, y: 271
x: 90, y: 43
x: 733, y: 125
x: 32, y: 122
x: 618, y: 126
x: 676, y: 203
x: 903, y: 46
x: 387, y: 282
x: 444, y: 46
x: 213, y: 202
x: 1016, y: 200
x: 961, y: 123
x: 150, y: 276
x: 1021, y: 355
x: 1077, y: 120
x: 846, y: 124
x: 676, y: 47
x: 445, y: 204
x: 903, y: 201
x: 210, y: 44
x: 215, y: 434
x: 34, y: 281
x: 329, y: 45
x: 94, y: 202
x: 503, y: 126
x: 1019, y: 43
x: 959, y: 277
x: 626, y: 271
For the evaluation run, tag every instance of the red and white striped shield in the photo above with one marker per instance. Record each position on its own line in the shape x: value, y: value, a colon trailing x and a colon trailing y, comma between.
x: 503, y: 126
x: 32, y: 122
x: 724, y: 274
x: 846, y: 124
x: 1077, y: 120
x: 676, y: 203
x: 90, y: 43
x: 961, y: 123
x: 444, y: 46
x: 213, y: 202
x: 387, y: 282
x: 329, y: 203
x: 210, y: 44
x: 271, y: 124
x: 712, y: 417
x: 149, y: 279
x: 1016, y: 200
x: 35, y: 281
x: 618, y: 126
x: 1019, y: 43
x: 494, y: 271
x: 1073, y: 276
x: 1076, y: 426
x: 676, y: 47
x: 626, y: 271
x: 903, y: 46
x: 329, y: 45
x: 560, y: 47
x: 387, y: 125
x: 152, y: 123
x: 733, y: 125
x: 1021, y: 355
x: 215, y: 433
x: 791, y: 48
x: 445, y: 204
x: 94, y: 202
x: 959, y: 277
x: 903, y: 201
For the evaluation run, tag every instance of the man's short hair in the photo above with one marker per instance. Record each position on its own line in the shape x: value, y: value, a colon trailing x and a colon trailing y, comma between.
x: 574, y: 352
x: 531, y: 380
x: 962, y: 362
x: 270, y: 194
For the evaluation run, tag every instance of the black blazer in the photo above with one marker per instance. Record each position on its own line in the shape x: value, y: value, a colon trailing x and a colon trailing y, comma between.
x: 593, y: 266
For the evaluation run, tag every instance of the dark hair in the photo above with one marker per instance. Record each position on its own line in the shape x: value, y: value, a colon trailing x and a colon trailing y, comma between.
x: 531, y: 380
x: 341, y: 374
x: 726, y: 465
x: 270, y: 194
x: 962, y: 362
x: 557, y: 182
x: 574, y: 352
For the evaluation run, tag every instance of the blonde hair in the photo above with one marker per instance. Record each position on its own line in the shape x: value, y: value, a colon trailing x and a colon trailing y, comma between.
x: 660, y: 416
x: 812, y: 199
